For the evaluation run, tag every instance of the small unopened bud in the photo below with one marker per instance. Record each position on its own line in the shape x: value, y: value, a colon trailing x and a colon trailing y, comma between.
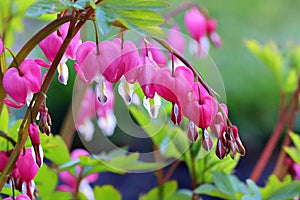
x: 220, y: 149
x: 45, y: 120
x: 192, y: 132
x: 207, y: 142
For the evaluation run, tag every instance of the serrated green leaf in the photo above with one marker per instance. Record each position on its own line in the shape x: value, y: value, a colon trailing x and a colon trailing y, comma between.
x: 4, y: 119
x: 161, y: 192
x: 153, y: 5
x: 104, y: 18
x: 286, y: 192
x: 273, y: 184
x: 55, y: 149
x: 41, y: 7
x: 107, y: 192
x: 254, y: 188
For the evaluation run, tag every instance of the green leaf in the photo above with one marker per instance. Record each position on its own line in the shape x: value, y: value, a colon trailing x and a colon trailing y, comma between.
x: 107, y: 192
x: 273, y: 184
x: 254, y: 188
x: 142, y: 21
x: 295, y: 139
x: 104, y: 18
x: 46, y: 180
x: 286, y: 192
x: 80, y: 4
x: 269, y: 54
x: 223, y: 184
x: 47, y: 6
x: 161, y: 192
x: 4, y: 119
x: 153, y: 5
x: 211, y: 190
x: 293, y: 153
x: 55, y: 149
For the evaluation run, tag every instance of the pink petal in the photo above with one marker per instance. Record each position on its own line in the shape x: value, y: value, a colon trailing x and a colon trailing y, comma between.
x: 50, y: 45
x: 4, y: 158
x: 15, y: 85
x: 195, y: 23
x: 12, y: 104
x: 27, y: 166
x: 33, y: 73
x: 68, y: 178
x: 42, y: 63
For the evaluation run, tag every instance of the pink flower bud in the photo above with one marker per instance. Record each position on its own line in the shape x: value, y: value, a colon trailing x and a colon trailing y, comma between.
x: 4, y: 159
x: 211, y: 25
x: 176, y: 39
x: 19, y: 197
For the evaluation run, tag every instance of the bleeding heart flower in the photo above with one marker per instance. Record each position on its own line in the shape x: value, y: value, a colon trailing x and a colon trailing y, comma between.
x: 201, y: 108
x: 174, y: 87
x: 219, y: 124
x: 21, y: 84
x: 51, y: 45
x: 195, y: 23
x: 156, y: 53
x: 19, y: 197
x: 129, y: 59
x: 4, y: 159
x: 27, y: 166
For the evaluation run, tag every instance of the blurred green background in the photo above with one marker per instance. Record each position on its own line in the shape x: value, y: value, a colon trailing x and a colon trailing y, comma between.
x: 252, y: 93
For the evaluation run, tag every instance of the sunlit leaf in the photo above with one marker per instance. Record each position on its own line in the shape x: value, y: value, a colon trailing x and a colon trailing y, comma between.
x: 4, y: 119
x: 135, y: 4
x: 286, y: 192
x: 47, y: 6
x: 161, y: 192
x: 107, y: 192
x: 104, y: 19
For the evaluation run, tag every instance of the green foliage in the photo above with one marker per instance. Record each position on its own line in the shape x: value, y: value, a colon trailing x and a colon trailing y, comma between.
x: 46, y: 181
x: 107, y: 192
x: 11, y: 16
x: 284, y: 67
x: 294, y: 152
x: 55, y: 149
x: 47, y: 6
x: 4, y: 119
x: 139, y: 15
x: 162, y: 192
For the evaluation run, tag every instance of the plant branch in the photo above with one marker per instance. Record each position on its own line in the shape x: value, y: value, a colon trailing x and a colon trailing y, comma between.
x: 32, y: 111
x: 4, y: 135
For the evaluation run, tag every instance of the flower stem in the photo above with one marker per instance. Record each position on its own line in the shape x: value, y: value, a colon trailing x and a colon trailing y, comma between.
x: 32, y: 110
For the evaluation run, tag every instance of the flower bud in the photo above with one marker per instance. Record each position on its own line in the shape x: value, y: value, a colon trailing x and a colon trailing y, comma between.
x: 207, y: 142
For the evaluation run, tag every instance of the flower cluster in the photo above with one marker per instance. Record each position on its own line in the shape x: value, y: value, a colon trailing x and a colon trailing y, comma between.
x: 23, y: 172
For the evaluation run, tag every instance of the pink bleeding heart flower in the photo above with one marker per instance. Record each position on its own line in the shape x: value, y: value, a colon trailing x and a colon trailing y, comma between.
x: 147, y: 72
x: 129, y: 59
x: 35, y: 141
x: 195, y: 23
x: 1, y: 47
x: 211, y: 32
x: 86, y: 61
x: 26, y: 166
x: 51, y: 45
x: 21, y: 84
x: 200, y: 107
x: 176, y: 39
x: 174, y: 88
x: 93, y: 62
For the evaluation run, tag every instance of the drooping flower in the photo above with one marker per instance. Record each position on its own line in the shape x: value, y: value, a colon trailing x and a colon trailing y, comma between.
x: 26, y: 165
x: 211, y: 32
x: 94, y: 62
x: 200, y: 107
x: 219, y: 124
x: 4, y: 159
x: 156, y: 53
x: 20, y: 84
x: 19, y: 197
x: 174, y: 87
x: 195, y: 23
x: 51, y: 45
